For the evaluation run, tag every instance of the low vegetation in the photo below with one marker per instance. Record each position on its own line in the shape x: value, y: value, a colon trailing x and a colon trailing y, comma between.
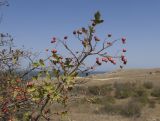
x: 126, y: 99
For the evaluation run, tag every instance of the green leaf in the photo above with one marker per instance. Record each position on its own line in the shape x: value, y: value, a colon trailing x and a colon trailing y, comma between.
x: 15, y: 94
x: 35, y: 64
x: 34, y: 77
x: 48, y: 76
x: 41, y: 62
x: 31, y: 89
x: 97, y: 15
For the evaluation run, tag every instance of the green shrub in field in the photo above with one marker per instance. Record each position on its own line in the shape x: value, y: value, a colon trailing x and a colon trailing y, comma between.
x: 152, y: 103
x: 94, y: 90
x: 141, y: 95
x: 111, y: 109
x: 148, y: 85
x: 131, y: 109
x: 100, y: 90
x: 123, y: 90
x: 104, y: 100
x: 156, y: 92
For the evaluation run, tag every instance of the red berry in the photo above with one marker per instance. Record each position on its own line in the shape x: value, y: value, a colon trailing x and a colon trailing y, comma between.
x: 99, y: 63
x: 104, y: 59
x: 29, y: 84
x: 124, y: 50
x: 125, y: 62
x: 74, y: 32
x: 109, y: 35
x: 93, y: 24
x: 109, y: 43
x: 53, y: 40
x: 18, y: 80
x: 97, y: 59
x: 123, y: 40
x: 65, y: 37
x: 54, y: 51
x: 96, y: 38
x: 114, y: 62
x: 79, y: 32
x: 122, y: 57
x: 110, y: 59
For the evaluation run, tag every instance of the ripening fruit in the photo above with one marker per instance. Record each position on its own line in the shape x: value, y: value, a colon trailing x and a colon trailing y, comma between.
x: 65, y: 37
x: 109, y: 35
x: 98, y: 62
x: 124, y: 50
x: 109, y: 43
x: 53, y: 40
x: 104, y: 59
x: 79, y: 32
x: 122, y: 57
x: 113, y: 62
x: 54, y: 51
x: 125, y: 61
x: 74, y: 32
x: 123, y: 40
x: 97, y: 59
x: 18, y: 80
x: 29, y: 84
x: 96, y: 38
x: 110, y: 59
x: 91, y: 67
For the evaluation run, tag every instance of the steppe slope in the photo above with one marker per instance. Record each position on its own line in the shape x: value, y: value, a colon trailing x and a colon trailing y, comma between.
x: 84, y: 112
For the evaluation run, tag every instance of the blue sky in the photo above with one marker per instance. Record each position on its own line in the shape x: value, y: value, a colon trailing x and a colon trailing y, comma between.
x: 34, y: 22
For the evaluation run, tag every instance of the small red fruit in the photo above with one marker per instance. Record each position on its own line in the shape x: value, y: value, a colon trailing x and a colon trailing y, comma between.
x: 54, y: 51
x: 53, y: 40
x: 114, y: 62
x: 74, y: 32
x: 109, y: 43
x: 18, y: 80
x: 98, y: 62
x: 110, y: 59
x: 79, y: 32
x: 29, y: 84
x: 124, y: 50
x: 109, y: 35
x: 104, y: 59
x: 123, y: 40
x: 65, y: 37
x: 96, y: 38
x: 93, y: 24
x: 125, y: 62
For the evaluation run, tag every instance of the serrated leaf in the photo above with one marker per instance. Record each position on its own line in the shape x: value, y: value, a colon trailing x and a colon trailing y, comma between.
x: 15, y: 94
x: 41, y: 62
x: 97, y: 15
x: 34, y: 77
x: 35, y: 64
x: 48, y: 76
x: 31, y: 89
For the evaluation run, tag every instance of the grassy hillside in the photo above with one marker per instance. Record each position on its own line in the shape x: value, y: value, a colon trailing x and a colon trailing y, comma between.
x: 122, y: 95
